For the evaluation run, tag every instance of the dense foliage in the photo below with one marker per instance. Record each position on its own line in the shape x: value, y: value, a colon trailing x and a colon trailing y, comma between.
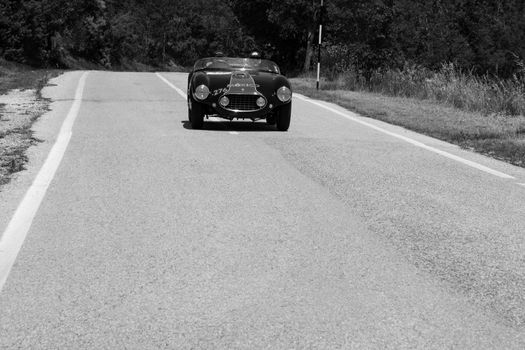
x: 483, y: 36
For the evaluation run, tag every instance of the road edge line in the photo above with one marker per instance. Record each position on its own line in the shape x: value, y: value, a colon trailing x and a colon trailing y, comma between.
x: 179, y: 91
x: 464, y: 161
x: 15, y: 234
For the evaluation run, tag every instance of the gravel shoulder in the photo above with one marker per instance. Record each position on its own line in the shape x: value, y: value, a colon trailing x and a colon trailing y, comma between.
x: 20, y: 108
x: 21, y: 104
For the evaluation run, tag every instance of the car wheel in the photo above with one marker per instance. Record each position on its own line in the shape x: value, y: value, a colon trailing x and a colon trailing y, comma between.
x: 189, y: 108
x: 196, y: 115
x: 283, y: 117
x: 271, y: 120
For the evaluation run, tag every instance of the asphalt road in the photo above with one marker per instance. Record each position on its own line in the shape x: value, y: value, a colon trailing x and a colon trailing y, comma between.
x: 333, y: 235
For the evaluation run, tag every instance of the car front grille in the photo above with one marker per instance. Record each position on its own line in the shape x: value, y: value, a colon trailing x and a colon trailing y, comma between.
x: 243, y: 103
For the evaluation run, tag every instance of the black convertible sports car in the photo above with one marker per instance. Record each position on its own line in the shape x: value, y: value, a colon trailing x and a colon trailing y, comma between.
x: 239, y: 88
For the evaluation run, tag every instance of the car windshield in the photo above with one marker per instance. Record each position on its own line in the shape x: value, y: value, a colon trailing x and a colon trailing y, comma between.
x: 242, y: 64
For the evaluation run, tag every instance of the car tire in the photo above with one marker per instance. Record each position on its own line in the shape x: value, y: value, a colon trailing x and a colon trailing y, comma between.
x: 283, y: 117
x: 271, y: 120
x: 189, y: 108
x: 196, y: 115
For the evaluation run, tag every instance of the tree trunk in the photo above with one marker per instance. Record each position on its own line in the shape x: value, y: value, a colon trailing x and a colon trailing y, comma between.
x: 309, y: 50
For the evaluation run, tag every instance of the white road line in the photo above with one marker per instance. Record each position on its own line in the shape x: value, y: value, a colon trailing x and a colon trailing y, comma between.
x: 409, y: 140
x: 521, y: 184
x: 234, y: 133
x: 179, y: 91
x: 17, y: 229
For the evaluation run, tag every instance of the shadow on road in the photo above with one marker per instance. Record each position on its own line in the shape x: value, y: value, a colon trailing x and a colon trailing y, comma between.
x: 240, y: 126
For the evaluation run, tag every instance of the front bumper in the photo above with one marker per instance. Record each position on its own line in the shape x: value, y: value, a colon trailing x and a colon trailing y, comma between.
x: 214, y: 108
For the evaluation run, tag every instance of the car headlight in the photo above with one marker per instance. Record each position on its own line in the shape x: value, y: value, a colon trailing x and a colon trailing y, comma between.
x: 284, y: 94
x: 202, y: 92
x: 261, y: 102
x: 224, y: 101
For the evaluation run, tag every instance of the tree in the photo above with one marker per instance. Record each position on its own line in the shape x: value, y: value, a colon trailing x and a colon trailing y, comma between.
x: 285, y: 29
x: 364, y: 35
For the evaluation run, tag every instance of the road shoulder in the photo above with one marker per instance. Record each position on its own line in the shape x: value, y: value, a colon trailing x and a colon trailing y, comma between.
x: 60, y: 92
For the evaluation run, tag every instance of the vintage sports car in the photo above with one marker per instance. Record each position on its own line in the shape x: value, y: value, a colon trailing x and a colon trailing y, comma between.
x: 238, y: 88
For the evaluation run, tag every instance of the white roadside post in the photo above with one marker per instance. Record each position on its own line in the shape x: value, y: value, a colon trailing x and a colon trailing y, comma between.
x: 319, y: 44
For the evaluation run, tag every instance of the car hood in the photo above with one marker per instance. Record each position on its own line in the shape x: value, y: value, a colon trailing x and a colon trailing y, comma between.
x: 243, y: 82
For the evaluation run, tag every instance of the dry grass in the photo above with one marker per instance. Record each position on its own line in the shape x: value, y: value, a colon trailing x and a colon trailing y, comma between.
x: 449, y: 85
x: 497, y: 135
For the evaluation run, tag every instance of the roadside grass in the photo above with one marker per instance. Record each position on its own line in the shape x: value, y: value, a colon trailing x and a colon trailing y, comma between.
x: 497, y: 135
x: 449, y: 85
x: 19, y: 76
x: 22, y: 104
